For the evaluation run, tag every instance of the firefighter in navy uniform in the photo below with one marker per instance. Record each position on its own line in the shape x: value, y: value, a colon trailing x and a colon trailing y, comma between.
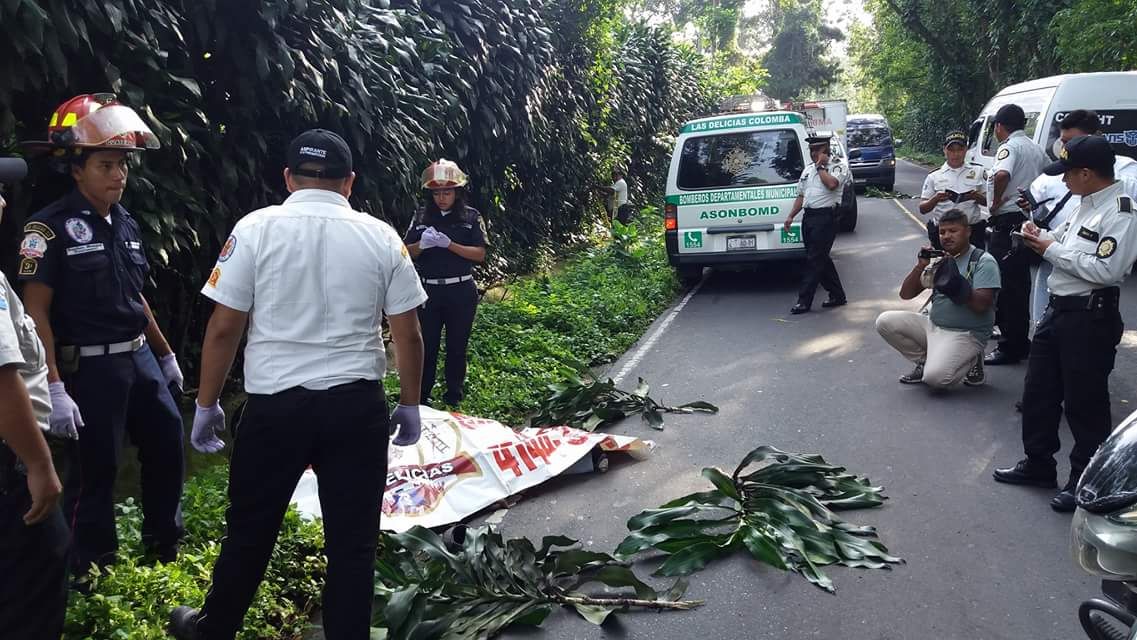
x: 446, y: 239
x: 1075, y: 343
x: 110, y: 368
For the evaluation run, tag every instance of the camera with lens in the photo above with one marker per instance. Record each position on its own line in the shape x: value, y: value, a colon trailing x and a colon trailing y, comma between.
x: 928, y: 254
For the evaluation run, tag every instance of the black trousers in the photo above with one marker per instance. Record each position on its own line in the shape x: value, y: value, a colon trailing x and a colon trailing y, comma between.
x: 818, y: 231
x: 624, y: 213
x: 33, y: 566
x: 119, y: 395
x: 1012, y: 308
x: 978, y: 235
x: 342, y: 433
x: 1070, y: 360
x: 453, y: 307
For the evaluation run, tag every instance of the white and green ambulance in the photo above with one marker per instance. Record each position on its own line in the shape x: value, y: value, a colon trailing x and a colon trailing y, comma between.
x: 732, y: 182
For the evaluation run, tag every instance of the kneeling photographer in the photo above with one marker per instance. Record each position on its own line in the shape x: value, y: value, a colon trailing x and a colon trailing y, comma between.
x: 947, y: 342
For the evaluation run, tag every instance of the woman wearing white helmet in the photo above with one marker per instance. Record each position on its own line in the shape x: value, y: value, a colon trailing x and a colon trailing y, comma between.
x: 446, y: 239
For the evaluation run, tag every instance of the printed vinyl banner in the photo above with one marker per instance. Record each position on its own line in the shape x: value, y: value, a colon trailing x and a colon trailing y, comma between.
x: 463, y: 464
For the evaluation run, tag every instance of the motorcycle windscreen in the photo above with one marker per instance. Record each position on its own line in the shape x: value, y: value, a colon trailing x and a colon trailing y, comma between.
x: 1109, y: 483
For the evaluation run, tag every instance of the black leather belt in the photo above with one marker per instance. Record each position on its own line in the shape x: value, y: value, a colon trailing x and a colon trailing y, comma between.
x: 821, y: 209
x: 1098, y: 300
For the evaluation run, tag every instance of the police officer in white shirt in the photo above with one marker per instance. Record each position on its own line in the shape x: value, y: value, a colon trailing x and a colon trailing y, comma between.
x: 1073, y: 350
x: 955, y: 185
x: 1056, y: 202
x: 312, y: 278
x: 818, y: 193
x: 1017, y: 163
x: 618, y: 206
x: 33, y: 533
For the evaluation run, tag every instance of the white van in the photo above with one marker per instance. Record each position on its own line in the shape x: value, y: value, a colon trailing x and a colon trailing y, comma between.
x: 1113, y: 95
x: 732, y: 182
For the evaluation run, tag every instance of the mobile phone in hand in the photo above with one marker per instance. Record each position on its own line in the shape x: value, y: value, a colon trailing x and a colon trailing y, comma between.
x: 1026, y: 195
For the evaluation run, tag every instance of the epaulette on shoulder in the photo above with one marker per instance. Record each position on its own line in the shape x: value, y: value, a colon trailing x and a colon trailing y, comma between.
x: 472, y: 215
x: 1125, y: 204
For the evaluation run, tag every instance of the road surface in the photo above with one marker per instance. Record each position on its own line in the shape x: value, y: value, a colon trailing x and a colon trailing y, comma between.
x: 984, y: 560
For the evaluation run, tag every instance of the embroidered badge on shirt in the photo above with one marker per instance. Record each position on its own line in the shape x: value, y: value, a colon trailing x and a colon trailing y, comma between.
x: 28, y: 267
x: 84, y: 248
x: 1106, y: 247
x: 40, y: 228
x: 79, y: 230
x: 1003, y: 154
x: 1092, y: 236
x: 228, y: 249
x: 406, y: 254
x: 33, y: 246
x: 214, y: 276
x: 137, y: 246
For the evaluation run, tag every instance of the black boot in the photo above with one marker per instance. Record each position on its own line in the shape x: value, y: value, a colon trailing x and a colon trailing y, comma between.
x: 183, y: 623
x: 1064, y: 501
x: 1028, y: 472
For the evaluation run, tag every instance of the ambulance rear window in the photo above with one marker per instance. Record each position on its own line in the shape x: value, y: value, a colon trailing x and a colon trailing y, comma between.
x: 749, y: 158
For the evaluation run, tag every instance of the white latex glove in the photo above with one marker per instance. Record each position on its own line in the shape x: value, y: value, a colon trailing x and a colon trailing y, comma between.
x: 65, y: 417
x: 441, y: 240
x: 171, y: 371
x: 428, y: 239
x: 208, y: 424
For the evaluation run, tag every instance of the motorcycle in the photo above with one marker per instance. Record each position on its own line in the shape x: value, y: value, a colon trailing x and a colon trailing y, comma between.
x: 1104, y: 535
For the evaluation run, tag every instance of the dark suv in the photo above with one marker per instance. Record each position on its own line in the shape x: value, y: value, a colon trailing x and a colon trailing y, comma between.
x: 872, y: 156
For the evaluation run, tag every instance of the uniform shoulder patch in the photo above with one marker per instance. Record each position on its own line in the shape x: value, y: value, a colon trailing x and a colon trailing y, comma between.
x: 1003, y: 153
x: 1106, y: 247
x: 28, y: 267
x: 214, y: 277
x: 1125, y: 204
x: 40, y: 228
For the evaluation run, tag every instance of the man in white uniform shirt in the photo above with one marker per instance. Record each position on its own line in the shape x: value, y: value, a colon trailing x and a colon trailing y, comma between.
x: 955, y: 185
x: 312, y: 278
x: 818, y: 194
x: 1075, y: 344
x: 1018, y: 162
x: 1056, y: 202
x: 33, y: 534
x: 618, y: 207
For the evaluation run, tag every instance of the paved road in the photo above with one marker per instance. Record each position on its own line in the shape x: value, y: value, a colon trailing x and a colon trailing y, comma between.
x: 910, y: 178
x: 983, y: 560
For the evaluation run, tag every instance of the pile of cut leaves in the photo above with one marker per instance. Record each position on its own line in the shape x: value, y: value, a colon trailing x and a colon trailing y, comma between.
x: 781, y: 512
x: 427, y: 588
x: 587, y: 404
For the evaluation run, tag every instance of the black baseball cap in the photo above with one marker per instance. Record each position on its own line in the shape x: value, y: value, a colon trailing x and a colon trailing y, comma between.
x: 1011, y: 116
x: 818, y: 140
x: 955, y: 137
x: 322, y: 153
x: 1083, y: 152
x: 12, y: 169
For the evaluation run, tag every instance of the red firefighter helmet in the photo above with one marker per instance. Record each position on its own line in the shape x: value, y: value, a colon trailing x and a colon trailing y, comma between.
x: 95, y: 121
x: 443, y: 174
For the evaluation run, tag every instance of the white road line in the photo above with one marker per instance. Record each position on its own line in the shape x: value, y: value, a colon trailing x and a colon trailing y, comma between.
x: 650, y: 342
x: 908, y: 213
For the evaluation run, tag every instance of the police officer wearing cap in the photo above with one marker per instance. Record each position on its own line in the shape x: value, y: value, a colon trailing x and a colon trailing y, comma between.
x: 1018, y: 162
x: 33, y: 533
x: 1074, y: 345
x: 446, y: 239
x: 311, y: 279
x: 955, y: 185
x: 818, y: 193
x: 111, y: 370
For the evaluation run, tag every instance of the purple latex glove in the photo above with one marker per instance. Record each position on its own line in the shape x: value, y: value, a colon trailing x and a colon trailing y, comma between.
x: 65, y: 417
x: 208, y: 424
x: 171, y: 371
x: 406, y: 424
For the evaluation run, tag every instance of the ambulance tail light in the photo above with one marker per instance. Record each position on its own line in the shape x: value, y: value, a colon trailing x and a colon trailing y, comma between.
x: 670, y: 217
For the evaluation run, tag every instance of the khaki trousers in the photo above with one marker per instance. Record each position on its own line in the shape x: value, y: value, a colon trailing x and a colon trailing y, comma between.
x: 947, y: 355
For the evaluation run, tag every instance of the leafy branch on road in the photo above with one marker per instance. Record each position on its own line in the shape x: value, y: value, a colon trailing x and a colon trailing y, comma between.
x: 876, y: 192
x: 428, y: 589
x: 587, y: 404
x: 782, y: 513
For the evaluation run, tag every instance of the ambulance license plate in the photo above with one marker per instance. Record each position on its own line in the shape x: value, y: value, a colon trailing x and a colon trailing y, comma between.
x: 741, y: 243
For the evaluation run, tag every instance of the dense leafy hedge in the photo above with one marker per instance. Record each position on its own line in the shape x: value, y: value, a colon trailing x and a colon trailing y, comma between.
x: 586, y: 312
